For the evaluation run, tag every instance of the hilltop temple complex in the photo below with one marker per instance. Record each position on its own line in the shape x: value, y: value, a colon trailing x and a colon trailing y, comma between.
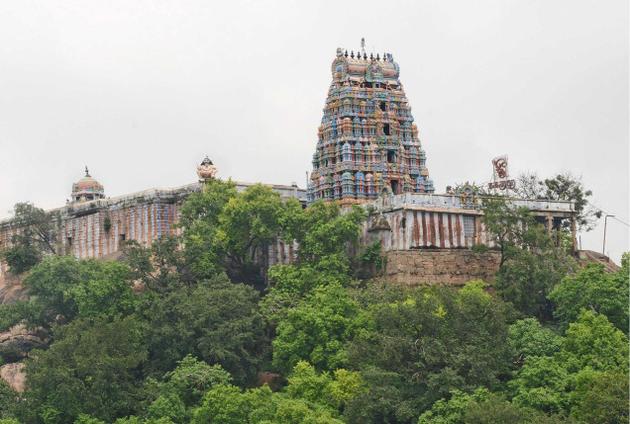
x: 368, y: 152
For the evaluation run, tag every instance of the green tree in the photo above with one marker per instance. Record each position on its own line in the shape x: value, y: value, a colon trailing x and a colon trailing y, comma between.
x: 425, y: 345
x: 92, y: 367
x: 527, y: 338
x: 64, y: 287
x: 324, y: 234
x: 591, y: 345
x: 592, y: 341
x: 595, y: 289
x: 531, y: 263
x: 317, y: 329
x: 180, y: 391
x: 331, y: 390
x: 496, y: 409
x: 602, y: 397
x: 543, y: 383
x: 506, y: 225
x: 248, y: 224
x: 228, y: 404
x: 200, y: 221
x: 216, y: 321
x: 452, y: 411
x: 36, y: 237
x: 8, y: 401
x: 192, y: 378
x: 161, y: 267
x: 87, y: 419
x: 566, y: 187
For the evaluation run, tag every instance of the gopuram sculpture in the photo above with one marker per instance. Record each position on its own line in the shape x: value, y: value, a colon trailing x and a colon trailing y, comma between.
x: 367, y: 141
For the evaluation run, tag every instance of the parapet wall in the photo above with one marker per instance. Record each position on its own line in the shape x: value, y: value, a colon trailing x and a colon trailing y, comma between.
x: 452, y: 267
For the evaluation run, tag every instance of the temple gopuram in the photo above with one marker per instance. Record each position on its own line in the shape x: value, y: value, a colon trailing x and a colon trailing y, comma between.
x: 367, y: 142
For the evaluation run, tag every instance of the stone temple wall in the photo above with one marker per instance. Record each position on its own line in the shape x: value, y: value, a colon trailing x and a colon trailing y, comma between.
x: 452, y: 267
x: 426, y: 237
x: 97, y: 229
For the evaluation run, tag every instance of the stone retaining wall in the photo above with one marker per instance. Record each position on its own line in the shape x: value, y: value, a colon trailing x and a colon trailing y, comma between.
x: 453, y: 267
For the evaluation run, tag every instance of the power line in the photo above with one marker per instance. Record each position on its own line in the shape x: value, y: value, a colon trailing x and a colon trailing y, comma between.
x: 608, y: 213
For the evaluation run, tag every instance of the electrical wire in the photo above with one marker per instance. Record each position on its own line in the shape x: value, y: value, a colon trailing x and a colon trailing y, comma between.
x: 607, y: 213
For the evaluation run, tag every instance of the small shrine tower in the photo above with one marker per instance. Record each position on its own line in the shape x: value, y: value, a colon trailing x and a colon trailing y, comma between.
x: 367, y: 141
x: 87, y: 189
x: 206, y: 170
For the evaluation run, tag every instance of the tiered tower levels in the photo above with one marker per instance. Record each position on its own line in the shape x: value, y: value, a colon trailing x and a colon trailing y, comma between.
x: 367, y: 141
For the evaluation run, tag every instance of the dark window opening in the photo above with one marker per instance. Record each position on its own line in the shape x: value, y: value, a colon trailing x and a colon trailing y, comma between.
x: 394, y: 184
x: 391, y: 156
x: 69, y: 240
x: 123, y: 237
x: 382, y: 106
x: 386, y: 129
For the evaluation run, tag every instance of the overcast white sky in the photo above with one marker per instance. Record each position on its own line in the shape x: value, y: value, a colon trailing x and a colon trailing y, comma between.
x: 140, y: 91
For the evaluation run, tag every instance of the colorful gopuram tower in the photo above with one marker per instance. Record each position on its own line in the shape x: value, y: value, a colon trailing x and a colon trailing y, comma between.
x: 367, y: 141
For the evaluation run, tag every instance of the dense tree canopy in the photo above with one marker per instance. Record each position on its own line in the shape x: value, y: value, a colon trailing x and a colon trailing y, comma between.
x: 595, y: 289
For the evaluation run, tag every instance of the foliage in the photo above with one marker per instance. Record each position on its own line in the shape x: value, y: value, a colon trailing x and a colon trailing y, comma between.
x: 496, y: 409
x: 324, y: 233
x: 192, y: 378
x: 8, y: 401
x: 62, y: 286
x: 332, y: 390
x: 199, y: 220
x: 229, y: 405
x: 248, y: 224
x: 452, y: 411
x: 595, y: 289
x: 317, y: 329
x: 372, y: 260
x: 529, y: 186
x: 216, y: 321
x: 569, y: 188
x: 531, y: 263
x: 425, y: 345
x: 602, y: 397
x: 87, y: 419
x: 592, y: 341
x: 506, y: 225
x: 527, y: 338
x: 591, y: 344
x: 162, y: 267
x: 565, y: 187
x: 35, y: 238
x: 91, y: 367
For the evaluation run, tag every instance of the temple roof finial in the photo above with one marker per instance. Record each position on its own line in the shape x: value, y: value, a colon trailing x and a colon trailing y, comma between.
x: 87, y: 172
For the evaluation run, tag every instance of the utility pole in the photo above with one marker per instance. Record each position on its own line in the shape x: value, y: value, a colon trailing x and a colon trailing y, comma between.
x: 605, y: 223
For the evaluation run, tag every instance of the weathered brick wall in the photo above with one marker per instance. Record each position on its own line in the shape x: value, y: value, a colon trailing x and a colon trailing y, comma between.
x: 440, y: 266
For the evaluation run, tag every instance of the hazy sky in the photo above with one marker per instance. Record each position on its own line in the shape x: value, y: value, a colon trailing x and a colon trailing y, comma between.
x: 140, y: 91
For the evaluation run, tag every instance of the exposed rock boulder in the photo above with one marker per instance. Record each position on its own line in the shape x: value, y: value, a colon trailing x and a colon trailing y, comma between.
x: 586, y: 257
x: 14, y: 376
x: 17, y: 341
x: 11, y: 288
